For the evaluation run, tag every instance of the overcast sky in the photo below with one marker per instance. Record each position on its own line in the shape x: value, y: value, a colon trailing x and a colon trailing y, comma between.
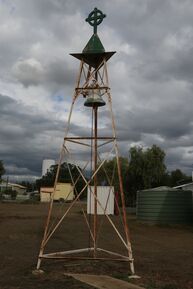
x: 151, y: 76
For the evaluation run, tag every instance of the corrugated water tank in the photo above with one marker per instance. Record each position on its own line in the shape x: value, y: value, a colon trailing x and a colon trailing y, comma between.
x: 164, y: 205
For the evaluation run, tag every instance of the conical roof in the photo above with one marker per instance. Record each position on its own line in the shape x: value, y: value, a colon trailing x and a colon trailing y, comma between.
x: 94, y: 45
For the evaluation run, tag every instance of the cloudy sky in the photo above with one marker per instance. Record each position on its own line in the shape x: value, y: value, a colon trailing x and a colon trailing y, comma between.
x: 151, y: 76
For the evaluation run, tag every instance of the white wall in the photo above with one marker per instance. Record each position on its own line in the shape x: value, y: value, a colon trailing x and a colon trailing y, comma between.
x: 105, y: 196
x: 46, y: 164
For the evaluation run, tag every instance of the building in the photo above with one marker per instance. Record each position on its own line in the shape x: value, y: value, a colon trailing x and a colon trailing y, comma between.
x: 19, y: 188
x: 188, y: 186
x: 4, y: 186
x: 106, y: 200
x: 11, y: 191
x: 46, y: 164
x: 64, y: 192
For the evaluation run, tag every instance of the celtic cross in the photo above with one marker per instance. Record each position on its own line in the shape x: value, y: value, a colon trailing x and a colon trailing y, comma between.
x: 95, y: 18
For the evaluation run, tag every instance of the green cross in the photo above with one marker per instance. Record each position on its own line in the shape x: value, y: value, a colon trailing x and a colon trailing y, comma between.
x: 95, y: 18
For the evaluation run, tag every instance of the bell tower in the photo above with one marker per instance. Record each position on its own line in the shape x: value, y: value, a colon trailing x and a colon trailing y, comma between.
x: 93, y: 90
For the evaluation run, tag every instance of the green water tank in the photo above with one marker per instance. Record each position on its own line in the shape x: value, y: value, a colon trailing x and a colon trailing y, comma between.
x: 164, y: 205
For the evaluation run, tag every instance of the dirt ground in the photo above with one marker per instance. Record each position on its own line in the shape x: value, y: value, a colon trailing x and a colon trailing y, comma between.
x: 163, y: 255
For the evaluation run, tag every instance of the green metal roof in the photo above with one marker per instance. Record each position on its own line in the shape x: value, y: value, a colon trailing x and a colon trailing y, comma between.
x: 94, y: 45
x: 93, y: 59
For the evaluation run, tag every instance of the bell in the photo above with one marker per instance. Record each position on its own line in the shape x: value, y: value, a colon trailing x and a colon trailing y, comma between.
x: 94, y: 98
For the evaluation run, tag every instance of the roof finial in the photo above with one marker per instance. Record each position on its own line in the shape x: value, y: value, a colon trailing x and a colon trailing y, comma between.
x: 95, y: 18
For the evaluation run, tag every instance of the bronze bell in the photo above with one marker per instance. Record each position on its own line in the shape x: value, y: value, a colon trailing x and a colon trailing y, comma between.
x: 94, y: 98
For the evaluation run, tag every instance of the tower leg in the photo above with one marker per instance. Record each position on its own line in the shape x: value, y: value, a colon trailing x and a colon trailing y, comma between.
x: 58, y: 170
x: 38, y: 263
x: 126, y: 228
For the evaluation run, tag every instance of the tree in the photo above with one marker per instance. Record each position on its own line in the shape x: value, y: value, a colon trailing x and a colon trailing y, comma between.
x: 2, y: 169
x: 177, y: 177
x: 108, y: 174
x: 30, y: 186
x: 154, y: 167
x: 135, y: 174
x: 64, y: 177
x: 146, y: 169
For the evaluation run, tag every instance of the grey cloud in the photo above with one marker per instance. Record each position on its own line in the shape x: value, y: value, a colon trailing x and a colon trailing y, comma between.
x: 60, y: 73
x: 169, y: 123
x: 181, y: 66
x: 27, y: 138
x: 176, y: 158
x: 29, y: 72
x: 151, y: 86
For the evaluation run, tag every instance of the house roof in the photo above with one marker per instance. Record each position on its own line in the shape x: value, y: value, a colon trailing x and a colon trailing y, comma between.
x: 17, y: 186
x: 182, y: 186
x: 158, y: 189
x: 12, y: 185
x: 48, y: 190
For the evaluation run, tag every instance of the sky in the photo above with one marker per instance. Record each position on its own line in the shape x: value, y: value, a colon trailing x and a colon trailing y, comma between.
x: 151, y: 77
